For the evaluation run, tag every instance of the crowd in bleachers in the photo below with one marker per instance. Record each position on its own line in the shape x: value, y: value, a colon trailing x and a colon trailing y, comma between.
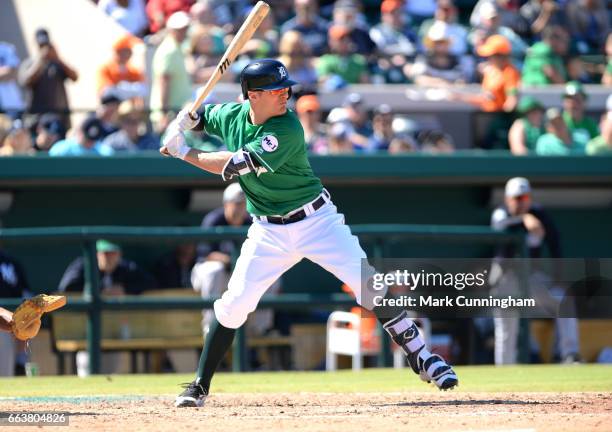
x: 326, y: 46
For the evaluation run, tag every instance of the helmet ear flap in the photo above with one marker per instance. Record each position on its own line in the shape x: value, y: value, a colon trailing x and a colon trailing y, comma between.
x: 245, y: 90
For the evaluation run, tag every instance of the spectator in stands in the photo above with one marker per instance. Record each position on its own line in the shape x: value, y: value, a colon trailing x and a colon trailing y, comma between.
x: 602, y: 144
x: 489, y: 25
x: 345, y: 14
x: 558, y: 140
x: 49, y: 130
x: 435, y: 142
x: 13, y: 284
x: 203, y: 54
x: 173, y: 270
x: 438, y: 67
x: 520, y: 215
x: 589, y: 25
x: 211, y: 274
x: 544, y: 62
x: 308, y: 23
x: 11, y: 100
x: 508, y: 15
x: 403, y: 143
x: 341, y: 66
x: 130, y: 14
x: 528, y: 128
x: 357, y: 118
x: 87, y: 141
x: 308, y: 110
x: 339, y: 139
x: 446, y: 12
x: 18, y: 141
x: 171, y: 86
x: 119, y: 75
x: 540, y: 14
x: 295, y: 55
x: 382, y: 125
x: 581, y: 127
x: 395, y: 42
x: 606, y: 78
x: 500, y: 79
x: 44, y: 76
x: 118, y: 275
x: 132, y: 135
x: 108, y: 113
x: 160, y: 11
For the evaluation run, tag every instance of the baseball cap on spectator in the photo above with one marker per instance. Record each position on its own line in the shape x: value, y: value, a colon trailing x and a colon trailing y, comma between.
x: 126, y: 41
x: 178, y: 20
x: 383, y: 109
x: 109, y: 96
x: 438, y: 32
x: 307, y: 103
x: 517, y: 186
x: 488, y: 10
x: 528, y: 104
x: 42, y: 37
x: 494, y: 45
x: 92, y: 129
x: 552, y: 114
x: 345, y: 4
x: 340, y: 130
x: 574, y: 88
x: 233, y: 193
x: 106, y: 246
x: 52, y: 124
x: 388, y: 6
x: 338, y: 31
x: 352, y: 99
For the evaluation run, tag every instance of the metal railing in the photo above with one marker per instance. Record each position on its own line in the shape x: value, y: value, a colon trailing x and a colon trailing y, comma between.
x: 93, y: 303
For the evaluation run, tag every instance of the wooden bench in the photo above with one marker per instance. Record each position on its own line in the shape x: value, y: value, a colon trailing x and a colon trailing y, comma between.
x: 140, y: 331
x: 593, y: 336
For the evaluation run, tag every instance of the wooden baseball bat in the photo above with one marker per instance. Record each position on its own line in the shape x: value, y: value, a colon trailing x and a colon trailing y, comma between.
x: 252, y: 21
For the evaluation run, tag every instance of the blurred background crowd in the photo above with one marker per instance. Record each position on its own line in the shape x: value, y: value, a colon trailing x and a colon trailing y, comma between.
x: 481, y: 53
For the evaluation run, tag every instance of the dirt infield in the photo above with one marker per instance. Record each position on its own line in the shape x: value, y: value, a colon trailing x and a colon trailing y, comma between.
x: 452, y: 411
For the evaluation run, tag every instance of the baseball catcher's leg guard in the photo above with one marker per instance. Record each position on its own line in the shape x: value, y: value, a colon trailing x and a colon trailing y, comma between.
x: 430, y: 367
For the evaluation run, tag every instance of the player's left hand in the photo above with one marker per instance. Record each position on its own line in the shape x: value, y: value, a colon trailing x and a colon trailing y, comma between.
x: 185, y: 121
x: 174, y: 144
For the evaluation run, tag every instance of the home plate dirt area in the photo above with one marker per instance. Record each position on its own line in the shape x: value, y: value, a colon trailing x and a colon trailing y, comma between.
x: 450, y: 411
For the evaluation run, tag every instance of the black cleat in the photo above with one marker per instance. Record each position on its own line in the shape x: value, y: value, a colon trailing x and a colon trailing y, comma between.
x: 194, y: 395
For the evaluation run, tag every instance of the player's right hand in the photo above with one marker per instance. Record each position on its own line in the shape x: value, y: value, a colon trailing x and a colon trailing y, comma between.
x: 184, y: 121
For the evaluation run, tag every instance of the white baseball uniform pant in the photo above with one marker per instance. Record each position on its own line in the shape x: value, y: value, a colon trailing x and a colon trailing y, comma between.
x: 270, y: 250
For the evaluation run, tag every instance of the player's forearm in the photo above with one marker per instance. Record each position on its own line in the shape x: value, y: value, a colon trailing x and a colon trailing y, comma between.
x: 5, y: 319
x: 212, y: 162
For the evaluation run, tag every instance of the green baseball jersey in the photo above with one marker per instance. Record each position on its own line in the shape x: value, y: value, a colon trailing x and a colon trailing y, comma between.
x: 279, y: 146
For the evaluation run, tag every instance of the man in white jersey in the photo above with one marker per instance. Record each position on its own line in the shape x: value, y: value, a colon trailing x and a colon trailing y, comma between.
x: 293, y: 218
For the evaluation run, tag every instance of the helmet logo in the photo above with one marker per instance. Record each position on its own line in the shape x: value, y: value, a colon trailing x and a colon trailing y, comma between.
x: 282, y: 72
x: 269, y: 143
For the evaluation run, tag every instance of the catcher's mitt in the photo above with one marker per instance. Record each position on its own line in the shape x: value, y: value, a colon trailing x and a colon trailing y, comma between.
x: 26, y: 318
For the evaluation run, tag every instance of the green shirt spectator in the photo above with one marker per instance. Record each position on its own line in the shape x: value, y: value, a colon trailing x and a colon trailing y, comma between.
x: 599, y: 146
x: 544, y: 60
x: 528, y: 128
x: 350, y: 69
x: 558, y: 141
x: 581, y: 128
x: 582, y: 131
x: 171, y: 83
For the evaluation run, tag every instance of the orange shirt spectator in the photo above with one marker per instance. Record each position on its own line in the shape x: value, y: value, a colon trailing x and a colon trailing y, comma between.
x: 500, y: 78
x: 119, y: 69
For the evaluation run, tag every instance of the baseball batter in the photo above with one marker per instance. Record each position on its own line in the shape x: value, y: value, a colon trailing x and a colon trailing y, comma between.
x: 293, y: 217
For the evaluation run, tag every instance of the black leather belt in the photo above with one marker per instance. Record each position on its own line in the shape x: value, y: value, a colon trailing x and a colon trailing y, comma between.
x: 300, y: 214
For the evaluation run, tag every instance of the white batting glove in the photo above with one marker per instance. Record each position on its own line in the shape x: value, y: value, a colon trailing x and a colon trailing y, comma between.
x: 184, y: 121
x: 174, y: 142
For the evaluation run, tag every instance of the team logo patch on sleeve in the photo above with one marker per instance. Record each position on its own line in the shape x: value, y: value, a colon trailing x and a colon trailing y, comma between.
x: 269, y: 143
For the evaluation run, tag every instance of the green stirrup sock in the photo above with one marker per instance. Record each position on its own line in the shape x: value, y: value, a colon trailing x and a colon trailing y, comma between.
x: 218, y: 342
